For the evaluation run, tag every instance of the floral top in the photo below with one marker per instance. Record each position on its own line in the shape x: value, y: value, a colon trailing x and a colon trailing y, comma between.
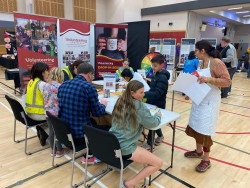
x: 50, y: 98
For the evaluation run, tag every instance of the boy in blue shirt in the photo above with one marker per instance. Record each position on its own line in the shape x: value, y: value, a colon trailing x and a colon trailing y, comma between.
x: 157, y: 93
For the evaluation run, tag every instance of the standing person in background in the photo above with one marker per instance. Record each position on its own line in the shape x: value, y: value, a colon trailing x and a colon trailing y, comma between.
x: 125, y: 65
x: 203, y: 117
x: 71, y: 71
x: 248, y: 54
x: 177, y: 55
x: 157, y: 94
x: 191, y: 64
x: 229, y: 57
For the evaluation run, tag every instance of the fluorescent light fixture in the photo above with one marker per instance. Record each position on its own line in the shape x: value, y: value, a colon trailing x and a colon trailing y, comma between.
x: 242, y: 12
x: 246, y: 16
x: 235, y: 8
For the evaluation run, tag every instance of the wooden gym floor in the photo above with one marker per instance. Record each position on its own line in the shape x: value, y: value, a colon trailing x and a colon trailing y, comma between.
x: 230, y: 154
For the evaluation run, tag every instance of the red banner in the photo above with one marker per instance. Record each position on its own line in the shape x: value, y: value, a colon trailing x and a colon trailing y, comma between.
x: 106, y: 65
x: 36, y: 38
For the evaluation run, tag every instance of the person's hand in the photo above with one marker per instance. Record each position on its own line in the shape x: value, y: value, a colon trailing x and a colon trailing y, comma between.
x: 159, y: 113
x: 101, y: 44
x: 186, y: 97
x: 122, y: 45
x: 104, y: 102
x: 202, y: 79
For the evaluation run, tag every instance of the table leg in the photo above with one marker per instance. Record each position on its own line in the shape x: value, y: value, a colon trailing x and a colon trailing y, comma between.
x: 173, y: 140
x: 151, y: 149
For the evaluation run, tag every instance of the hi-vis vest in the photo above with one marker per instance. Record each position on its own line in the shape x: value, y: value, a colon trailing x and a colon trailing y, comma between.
x: 34, y: 98
x: 119, y: 72
x: 66, y: 69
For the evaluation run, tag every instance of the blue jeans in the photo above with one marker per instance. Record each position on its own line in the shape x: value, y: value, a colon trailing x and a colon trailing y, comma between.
x: 158, y: 132
x: 248, y: 73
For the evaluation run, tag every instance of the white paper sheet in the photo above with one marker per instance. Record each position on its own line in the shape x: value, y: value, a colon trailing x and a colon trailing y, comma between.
x: 142, y: 72
x: 139, y: 78
x: 187, y: 83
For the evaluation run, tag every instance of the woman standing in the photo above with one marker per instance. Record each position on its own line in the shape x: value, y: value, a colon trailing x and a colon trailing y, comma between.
x: 203, y: 117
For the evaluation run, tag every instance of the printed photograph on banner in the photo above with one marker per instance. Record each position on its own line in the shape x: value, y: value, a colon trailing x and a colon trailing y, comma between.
x: 111, y: 48
x: 36, y: 41
x: 34, y: 35
x: 111, y: 42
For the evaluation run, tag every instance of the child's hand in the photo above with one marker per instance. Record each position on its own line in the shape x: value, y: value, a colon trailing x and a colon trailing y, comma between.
x: 159, y: 113
x: 186, y: 97
x: 104, y: 102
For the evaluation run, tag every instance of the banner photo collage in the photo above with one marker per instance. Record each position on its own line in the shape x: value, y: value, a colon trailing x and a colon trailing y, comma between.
x: 74, y: 42
x: 36, y: 40
x: 111, y: 48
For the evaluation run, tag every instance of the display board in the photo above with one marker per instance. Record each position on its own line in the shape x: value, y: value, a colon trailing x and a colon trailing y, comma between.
x: 212, y: 41
x: 187, y: 45
x: 74, y: 41
x: 156, y: 43
x: 168, y: 50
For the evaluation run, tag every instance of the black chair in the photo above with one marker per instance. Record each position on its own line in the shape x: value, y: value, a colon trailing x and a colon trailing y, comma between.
x: 63, y: 135
x: 21, y: 116
x: 105, y: 146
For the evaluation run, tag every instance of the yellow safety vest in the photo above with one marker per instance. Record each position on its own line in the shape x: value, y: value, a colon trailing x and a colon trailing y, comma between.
x: 66, y: 69
x: 34, y: 98
x: 119, y: 72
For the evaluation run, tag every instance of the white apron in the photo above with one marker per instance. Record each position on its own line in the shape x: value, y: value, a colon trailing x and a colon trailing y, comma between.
x: 203, y: 117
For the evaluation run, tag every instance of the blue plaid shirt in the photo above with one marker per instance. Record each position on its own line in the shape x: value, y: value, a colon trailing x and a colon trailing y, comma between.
x: 77, y: 99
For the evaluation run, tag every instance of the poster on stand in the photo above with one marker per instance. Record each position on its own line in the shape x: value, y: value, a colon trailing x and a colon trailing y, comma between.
x: 111, y: 48
x: 156, y: 43
x: 212, y: 41
x: 36, y: 40
x: 168, y: 50
x: 187, y: 45
x: 74, y: 42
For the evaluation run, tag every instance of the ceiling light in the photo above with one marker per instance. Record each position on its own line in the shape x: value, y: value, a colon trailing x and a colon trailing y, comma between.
x: 242, y: 12
x: 246, y: 16
x: 235, y: 8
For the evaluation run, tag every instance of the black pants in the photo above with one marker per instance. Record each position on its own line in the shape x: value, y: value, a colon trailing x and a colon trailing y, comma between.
x: 225, y: 90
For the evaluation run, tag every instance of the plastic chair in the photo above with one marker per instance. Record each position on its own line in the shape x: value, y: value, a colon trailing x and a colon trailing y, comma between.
x: 21, y: 116
x: 105, y: 146
x: 64, y: 136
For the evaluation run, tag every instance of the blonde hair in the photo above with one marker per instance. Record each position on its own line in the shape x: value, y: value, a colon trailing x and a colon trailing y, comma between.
x: 56, y: 74
x: 125, y: 106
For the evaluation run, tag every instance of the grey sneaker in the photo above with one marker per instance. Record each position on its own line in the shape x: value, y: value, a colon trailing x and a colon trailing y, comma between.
x: 147, y: 147
x: 159, y: 140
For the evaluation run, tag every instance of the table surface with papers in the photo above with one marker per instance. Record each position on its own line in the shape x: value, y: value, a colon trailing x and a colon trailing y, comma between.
x: 167, y: 116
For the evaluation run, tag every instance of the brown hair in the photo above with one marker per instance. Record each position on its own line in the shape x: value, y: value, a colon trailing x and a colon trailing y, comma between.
x: 76, y: 64
x: 124, y: 109
x: 126, y: 59
x: 56, y: 74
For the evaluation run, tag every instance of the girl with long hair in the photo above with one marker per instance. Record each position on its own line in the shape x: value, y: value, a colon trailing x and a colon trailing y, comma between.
x: 130, y: 116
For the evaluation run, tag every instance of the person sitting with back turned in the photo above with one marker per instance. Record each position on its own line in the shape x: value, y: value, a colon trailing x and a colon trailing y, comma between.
x: 78, y: 99
x: 157, y: 94
x: 129, y: 117
x: 71, y: 71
